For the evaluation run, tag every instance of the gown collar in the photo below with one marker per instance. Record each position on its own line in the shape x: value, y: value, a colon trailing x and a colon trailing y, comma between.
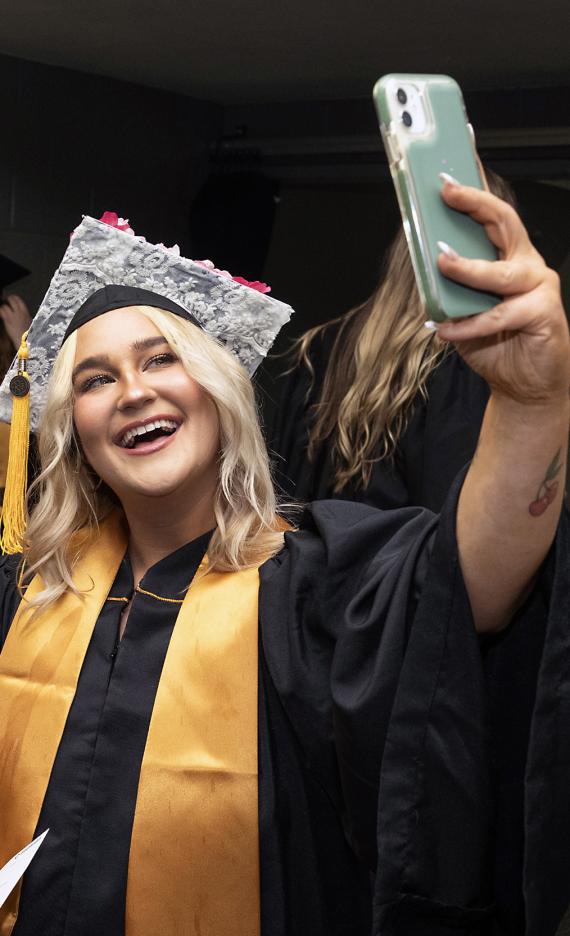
x: 169, y: 578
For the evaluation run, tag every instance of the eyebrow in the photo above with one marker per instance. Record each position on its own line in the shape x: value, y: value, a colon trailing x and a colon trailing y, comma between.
x: 103, y: 360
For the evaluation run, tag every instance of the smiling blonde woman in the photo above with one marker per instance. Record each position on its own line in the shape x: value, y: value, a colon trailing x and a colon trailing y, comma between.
x: 228, y: 728
x: 73, y: 498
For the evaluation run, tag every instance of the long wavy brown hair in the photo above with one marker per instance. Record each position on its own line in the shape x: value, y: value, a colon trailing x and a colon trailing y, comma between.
x: 381, y: 359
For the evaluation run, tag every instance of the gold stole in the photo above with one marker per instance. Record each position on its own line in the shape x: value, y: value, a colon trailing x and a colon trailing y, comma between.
x: 194, y: 856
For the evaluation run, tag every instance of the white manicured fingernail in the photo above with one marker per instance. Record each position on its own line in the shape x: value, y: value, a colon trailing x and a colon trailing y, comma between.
x: 446, y: 177
x: 447, y: 250
x: 431, y: 326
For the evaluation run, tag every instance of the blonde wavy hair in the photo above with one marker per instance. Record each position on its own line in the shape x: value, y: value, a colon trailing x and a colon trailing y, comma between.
x: 69, y: 506
x: 380, y: 362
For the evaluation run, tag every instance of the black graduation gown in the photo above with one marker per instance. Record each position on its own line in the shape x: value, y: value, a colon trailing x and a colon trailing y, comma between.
x: 528, y: 672
x: 439, y: 440
x: 376, y: 778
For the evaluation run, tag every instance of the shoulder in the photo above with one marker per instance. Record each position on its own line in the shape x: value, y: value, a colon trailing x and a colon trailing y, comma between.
x: 325, y: 337
x: 353, y: 532
x: 324, y: 341
x: 9, y: 566
x: 453, y: 375
x: 455, y: 395
x: 320, y: 347
x: 9, y: 593
x: 336, y: 538
x: 298, y: 388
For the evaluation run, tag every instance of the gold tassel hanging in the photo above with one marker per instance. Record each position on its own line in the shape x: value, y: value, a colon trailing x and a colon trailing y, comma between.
x: 14, y: 508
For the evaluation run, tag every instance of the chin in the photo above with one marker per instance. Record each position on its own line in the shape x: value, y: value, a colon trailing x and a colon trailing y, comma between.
x: 153, y: 489
x: 157, y: 489
x: 155, y: 485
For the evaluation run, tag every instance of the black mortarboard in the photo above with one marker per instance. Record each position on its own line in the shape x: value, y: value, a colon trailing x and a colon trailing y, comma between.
x: 118, y: 297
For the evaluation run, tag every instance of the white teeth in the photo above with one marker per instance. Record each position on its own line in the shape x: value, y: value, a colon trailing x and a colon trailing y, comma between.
x: 131, y: 434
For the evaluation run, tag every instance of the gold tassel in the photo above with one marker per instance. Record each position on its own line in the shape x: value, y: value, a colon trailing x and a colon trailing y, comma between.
x: 14, y: 507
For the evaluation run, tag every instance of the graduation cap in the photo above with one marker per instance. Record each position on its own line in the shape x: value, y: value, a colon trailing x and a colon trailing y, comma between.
x: 107, y: 267
x: 10, y: 272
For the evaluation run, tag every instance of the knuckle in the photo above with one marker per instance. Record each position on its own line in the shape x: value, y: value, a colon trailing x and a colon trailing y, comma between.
x: 553, y: 279
x: 507, y: 276
x: 498, y: 313
x: 507, y: 212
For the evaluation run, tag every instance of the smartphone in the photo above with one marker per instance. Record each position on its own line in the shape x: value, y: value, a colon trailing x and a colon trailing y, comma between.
x: 425, y: 130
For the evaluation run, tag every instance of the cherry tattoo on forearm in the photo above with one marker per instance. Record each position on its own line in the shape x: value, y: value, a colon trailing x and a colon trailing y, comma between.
x: 548, y: 488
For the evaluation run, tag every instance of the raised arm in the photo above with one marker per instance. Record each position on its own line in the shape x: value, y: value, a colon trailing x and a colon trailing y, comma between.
x: 512, y: 495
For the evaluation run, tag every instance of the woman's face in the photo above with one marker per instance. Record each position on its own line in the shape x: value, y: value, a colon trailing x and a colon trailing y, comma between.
x: 145, y: 426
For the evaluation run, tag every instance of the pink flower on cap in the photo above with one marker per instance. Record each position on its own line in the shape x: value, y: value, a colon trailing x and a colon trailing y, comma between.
x: 253, y: 284
x: 112, y: 219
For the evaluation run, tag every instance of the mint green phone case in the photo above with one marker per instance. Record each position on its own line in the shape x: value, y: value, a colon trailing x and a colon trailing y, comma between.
x: 416, y: 160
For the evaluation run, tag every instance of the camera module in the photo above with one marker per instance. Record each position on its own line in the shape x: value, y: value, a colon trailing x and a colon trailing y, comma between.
x: 407, y: 119
x: 402, y: 96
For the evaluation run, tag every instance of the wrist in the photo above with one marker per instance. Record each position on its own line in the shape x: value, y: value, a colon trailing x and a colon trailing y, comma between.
x: 554, y: 403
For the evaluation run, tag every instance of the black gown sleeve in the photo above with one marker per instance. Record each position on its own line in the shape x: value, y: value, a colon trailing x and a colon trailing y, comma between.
x: 9, y: 593
x: 529, y: 685
x: 335, y: 606
x: 435, y: 829
x: 369, y: 643
x: 418, y: 733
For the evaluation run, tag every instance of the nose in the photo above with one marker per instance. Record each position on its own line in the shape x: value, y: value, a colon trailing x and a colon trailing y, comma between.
x: 135, y: 392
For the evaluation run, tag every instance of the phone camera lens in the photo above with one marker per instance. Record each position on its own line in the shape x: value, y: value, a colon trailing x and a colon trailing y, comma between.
x: 407, y: 119
x: 402, y: 96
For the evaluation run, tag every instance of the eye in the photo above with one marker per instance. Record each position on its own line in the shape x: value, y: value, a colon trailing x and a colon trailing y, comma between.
x: 160, y: 360
x: 92, y: 382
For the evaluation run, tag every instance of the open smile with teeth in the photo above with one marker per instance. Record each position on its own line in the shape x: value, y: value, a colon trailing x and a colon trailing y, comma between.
x: 148, y: 432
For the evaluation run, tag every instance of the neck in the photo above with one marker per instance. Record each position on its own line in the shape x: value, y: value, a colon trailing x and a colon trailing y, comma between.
x: 157, y: 528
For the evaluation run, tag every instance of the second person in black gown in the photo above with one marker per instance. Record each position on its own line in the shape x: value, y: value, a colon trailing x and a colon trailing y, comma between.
x: 375, y: 408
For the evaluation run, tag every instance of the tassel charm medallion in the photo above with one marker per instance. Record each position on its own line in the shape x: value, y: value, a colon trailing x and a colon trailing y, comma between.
x: 20, y: 384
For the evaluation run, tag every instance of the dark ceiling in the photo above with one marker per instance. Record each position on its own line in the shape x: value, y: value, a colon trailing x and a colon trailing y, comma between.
x: 261, y: 50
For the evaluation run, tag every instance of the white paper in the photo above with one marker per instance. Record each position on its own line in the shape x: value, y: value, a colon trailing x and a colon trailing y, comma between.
x: 13, y: 870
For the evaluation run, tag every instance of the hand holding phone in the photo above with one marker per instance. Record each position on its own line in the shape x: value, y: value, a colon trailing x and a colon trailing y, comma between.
x: 426, y: 133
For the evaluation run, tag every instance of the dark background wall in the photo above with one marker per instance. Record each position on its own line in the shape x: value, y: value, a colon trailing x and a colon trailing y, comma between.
x: 297, y: 193
x: 335, y: 210
x: 76, y: 144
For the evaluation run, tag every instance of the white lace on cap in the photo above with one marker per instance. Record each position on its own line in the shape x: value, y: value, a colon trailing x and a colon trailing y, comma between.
x: 244, y: 320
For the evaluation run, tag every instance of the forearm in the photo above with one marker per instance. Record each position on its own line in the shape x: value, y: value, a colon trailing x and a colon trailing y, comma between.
x: 510, y: 504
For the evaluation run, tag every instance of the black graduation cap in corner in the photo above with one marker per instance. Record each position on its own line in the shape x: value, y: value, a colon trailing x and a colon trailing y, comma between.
x: 10, y: 272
